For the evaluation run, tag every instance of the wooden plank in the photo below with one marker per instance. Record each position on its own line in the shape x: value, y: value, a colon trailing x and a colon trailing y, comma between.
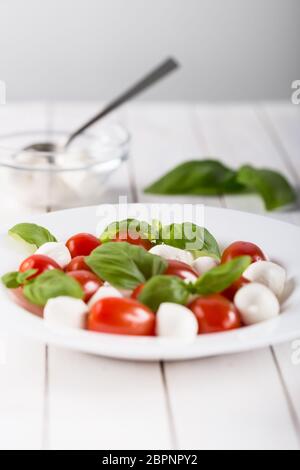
x: 97, y: 403
x: 22, y: 368
x: 169, y: 136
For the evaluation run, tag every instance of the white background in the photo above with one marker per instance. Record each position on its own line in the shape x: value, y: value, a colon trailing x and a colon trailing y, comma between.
x: 90, y: 49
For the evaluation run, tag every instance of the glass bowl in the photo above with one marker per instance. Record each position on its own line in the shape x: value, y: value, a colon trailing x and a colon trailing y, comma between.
x: 74, y: 177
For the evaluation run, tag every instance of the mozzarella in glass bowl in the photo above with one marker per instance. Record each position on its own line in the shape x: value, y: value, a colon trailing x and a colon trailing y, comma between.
x: 73, y: 177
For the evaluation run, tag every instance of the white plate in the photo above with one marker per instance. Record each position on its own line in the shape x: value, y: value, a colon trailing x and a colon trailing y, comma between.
x: 279, y: 240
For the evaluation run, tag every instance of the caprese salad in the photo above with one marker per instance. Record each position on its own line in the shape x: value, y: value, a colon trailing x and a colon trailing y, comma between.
x: 141, y: 282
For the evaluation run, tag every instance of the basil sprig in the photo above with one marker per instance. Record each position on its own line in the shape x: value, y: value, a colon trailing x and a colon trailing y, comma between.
x: 52, y: 284
x: 221, y: 277
x: 212, y: 178
x: 125, y: 266
x: 162, y: 289
x: 186, y: 236
x: 32, y: 234
x: 14, y: 279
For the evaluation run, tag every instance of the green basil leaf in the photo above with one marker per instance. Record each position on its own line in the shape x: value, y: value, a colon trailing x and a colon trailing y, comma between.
x: 270, y: 185
x: 162, y: 289
x: 15, y: 279
x: 24, y: 277
x: 198, y: 177
x: 10, y: 280
x: 132, y: 226
x: 220, y: 278
x: 52, y: 284
x: 191, y: 237
x: 32, y: 234
x: 123, y: 265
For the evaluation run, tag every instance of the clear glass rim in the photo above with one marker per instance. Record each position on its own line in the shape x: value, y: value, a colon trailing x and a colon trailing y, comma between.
x: 121, y: 145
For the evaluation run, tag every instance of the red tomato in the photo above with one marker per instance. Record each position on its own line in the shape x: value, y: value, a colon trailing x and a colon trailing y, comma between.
x: 232, y: 290
x: 19, y: 298
x: 182, y: 270
x: 135, y: 294
x: 88, y: 281
x: 82, y: 244
x: 215, y: 313
x: 242, y: 249
x: 122, y: 317
x: 41, y: 263
x: 78, y: 264
x: 126, y: 237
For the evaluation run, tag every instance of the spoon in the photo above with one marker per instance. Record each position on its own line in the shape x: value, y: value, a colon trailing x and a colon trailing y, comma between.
x: 150, y: 79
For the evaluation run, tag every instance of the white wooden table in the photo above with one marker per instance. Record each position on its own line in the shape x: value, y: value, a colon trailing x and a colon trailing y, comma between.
x: 52, y: 398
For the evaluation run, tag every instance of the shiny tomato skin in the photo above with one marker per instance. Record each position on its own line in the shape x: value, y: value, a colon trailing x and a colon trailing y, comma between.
x: 236, y: 286
x: 126, y: 237
x: 215, y: 314
x: 237, y: 249
x: 122, y: 317
x: 135, y: 294
x: 41, y: 263
x: 82, y: 244
x: 88, y: 281
x: 78, y: 264
x: 19, y: 298
x: 182, y: 270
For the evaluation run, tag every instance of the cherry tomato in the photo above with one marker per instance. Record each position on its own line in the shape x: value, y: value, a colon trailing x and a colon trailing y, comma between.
x: 82, y: 244
x: 232, y: 290
x: 135, y: 294
x: 242, y: 249
x: 41, y: 263
x: 122, y: 317
x: 88, y: 281
x: 19, y: 298
x: 182, y: 270
x: 215, y: 314
x: 126, y: 237
x: 78, y: 264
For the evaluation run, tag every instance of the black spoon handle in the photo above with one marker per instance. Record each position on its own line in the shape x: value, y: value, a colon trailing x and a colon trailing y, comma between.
x: 162, y: 71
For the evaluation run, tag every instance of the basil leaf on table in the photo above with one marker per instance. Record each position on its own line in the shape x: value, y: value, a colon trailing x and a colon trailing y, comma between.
x: 212, y: 178
x: 123, y: 265
x: 32, y: 234
x: 162, y: 289
x: 15, y: 279
x: 191, y: 237
x: 270, y: 185
x: 132, y: 226
x: 52, y: 284
x: 223, y: 276
x: 199, y: 178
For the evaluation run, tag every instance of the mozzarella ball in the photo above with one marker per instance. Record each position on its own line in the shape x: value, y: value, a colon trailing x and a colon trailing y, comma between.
x: 171, y: 253
x: 103, y: 292
x: 256, y: 303
x: 66, y: 312
x: 176, y: 321
x: 56, y: 251
x: 204, y: 264
x: 270, y: 274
